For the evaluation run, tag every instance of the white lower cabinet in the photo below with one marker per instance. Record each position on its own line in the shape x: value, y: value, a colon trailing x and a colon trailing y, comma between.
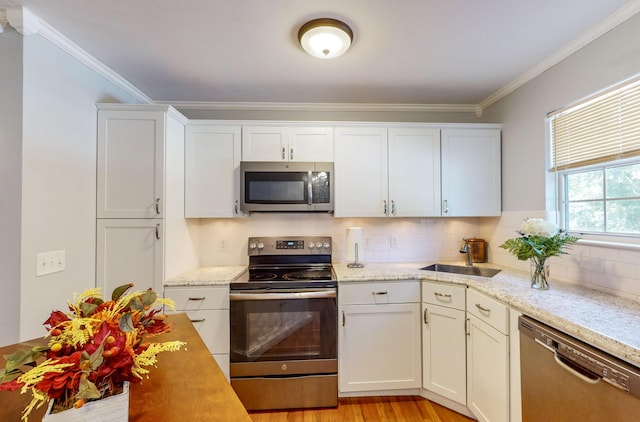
x: 208, y: 310
x: 487, y: 358
x: 379, y: 336
x: 443, y: 341
x: 129, y: 250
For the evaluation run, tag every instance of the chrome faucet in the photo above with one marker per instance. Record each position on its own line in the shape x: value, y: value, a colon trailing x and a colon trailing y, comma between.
x: 466, y: 249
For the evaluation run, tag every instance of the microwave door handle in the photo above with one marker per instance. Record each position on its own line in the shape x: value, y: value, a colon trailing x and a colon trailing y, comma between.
x: 310, y: 188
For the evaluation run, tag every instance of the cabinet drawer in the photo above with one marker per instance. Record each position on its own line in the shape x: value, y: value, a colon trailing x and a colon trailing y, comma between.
x: 489, y: 310
x: 194, y: 298
x: 444, y: 295
x: 370, y: 293
x: 213, y: 327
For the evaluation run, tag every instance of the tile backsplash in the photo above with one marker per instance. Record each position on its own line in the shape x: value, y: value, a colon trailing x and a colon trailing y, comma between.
x: 224, y: 241
x: 425, y: 240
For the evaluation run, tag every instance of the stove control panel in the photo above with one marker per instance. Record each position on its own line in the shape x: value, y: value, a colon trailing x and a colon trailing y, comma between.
x: 304, y: 245
x: 291, y: 244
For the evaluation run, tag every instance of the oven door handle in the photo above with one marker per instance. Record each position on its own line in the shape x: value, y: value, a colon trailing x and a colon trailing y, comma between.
x: 315, y: 294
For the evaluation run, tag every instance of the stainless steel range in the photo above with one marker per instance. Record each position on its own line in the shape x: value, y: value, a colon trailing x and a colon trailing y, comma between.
x: 284, y: 325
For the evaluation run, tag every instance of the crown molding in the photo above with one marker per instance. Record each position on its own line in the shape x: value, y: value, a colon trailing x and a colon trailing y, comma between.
x: 21, y: 19
x: 605, y: 25
x: 27, y: 23
x: 353, y: 107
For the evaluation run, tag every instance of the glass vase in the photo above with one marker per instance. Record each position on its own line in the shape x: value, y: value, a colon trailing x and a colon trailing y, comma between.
x: 540, y: 273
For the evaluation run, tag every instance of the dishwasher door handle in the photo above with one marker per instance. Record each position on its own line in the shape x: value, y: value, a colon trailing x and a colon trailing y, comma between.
x: 575, y: 370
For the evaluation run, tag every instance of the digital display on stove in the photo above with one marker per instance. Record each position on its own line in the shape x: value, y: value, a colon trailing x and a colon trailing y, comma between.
x: 290, y: 244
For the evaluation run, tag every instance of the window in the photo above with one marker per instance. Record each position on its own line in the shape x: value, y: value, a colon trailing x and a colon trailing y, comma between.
x: 595, y: 147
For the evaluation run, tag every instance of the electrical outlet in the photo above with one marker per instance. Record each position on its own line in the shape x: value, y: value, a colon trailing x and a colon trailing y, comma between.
x: 50, y: 262
x: 223, y: 245
x: 393, y: 242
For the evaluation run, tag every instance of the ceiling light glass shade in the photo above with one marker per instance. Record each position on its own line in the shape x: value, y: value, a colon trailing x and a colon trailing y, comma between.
x: 325, y: 38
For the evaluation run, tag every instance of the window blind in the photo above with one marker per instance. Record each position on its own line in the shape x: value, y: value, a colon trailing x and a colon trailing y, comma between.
x: 597, y: 130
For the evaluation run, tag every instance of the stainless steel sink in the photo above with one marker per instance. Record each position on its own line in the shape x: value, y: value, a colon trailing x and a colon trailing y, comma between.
x: 459, y: 269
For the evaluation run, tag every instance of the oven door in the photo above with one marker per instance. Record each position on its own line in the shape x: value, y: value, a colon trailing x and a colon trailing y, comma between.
x: 284, y: 348
x: 268, y: 326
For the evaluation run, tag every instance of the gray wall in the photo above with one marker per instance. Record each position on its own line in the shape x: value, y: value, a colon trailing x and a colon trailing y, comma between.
x: 613, y: 57
x: 10, y: 182
x: 56, y: 151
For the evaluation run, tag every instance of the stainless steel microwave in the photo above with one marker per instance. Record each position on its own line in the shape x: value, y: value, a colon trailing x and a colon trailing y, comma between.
x: 286, y: 187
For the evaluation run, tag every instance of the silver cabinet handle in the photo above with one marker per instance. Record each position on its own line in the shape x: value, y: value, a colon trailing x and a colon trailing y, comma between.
x: 445, y: 207
x: 384, y: 208
x: 158, y: 231
x: 197, y: 320
x: 483, y: 309
x: 426, y: 319
x: 393, y: 207
x: 157, y: 206
x: 291, y: 153
x: 235, y: 207
x: 197, y: 298
x: 283, y: 153
x: 442, y: 296
x: 310, y: 188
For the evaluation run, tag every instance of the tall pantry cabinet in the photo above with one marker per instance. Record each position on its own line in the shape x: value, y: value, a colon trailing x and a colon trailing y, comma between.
x: 140, y: 197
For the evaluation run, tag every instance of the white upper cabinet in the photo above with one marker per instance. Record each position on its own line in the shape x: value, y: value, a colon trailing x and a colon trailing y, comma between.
x: 278, y: 143
x: 384, y: 172
x: 212, y: 171
x: 360, y: 168
x: 130, y: 164
x: 414, y: 172
x: 471, y: 173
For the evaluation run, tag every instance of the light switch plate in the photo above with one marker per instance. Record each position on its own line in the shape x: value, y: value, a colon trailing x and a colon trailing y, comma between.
x: 50, y: 262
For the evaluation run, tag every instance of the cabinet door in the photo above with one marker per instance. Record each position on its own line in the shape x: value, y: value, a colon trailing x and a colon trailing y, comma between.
x: 129, y: 251
x: 314, y: 144
x: 487, y: 372
x: 361, y: 188
x: 265, y: 143
x: 379, y: 347
x: 471, y: 172
x: 212, y: 171
x: 414, y: 172
x: 130, y: 164
x: 444, y: 352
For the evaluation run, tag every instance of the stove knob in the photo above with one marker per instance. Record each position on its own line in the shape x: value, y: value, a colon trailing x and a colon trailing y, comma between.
x: 252, y: 245
x: 312, y: 245
x: 327, y: 245
x: 260, y: 245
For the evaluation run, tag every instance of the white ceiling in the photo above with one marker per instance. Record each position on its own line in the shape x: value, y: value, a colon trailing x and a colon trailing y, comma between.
x: 404, y: 51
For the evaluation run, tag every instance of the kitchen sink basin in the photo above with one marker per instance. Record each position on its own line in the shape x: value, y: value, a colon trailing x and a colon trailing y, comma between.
x: 459, y: 269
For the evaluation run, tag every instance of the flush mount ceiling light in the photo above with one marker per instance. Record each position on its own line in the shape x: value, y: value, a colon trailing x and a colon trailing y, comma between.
x: 325, y: 38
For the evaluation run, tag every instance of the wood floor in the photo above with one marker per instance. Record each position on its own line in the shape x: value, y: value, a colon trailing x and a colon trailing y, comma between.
x: 369, y: 409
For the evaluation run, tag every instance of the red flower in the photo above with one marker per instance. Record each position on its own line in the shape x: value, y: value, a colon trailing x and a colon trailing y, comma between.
x: 11, y: 385
x: 56, y: 318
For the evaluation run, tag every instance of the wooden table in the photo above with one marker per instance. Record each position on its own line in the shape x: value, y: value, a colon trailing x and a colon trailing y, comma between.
x: 187, y: 385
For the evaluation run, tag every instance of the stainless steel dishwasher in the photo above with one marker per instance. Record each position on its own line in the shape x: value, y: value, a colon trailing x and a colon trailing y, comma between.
x: 564, y: 379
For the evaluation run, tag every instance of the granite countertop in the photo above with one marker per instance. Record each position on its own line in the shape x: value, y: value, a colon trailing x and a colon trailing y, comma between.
x: 608, y: 322
x: 207, y: 276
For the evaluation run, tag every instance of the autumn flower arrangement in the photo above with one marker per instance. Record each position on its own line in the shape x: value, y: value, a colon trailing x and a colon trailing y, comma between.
x: 91, y: 350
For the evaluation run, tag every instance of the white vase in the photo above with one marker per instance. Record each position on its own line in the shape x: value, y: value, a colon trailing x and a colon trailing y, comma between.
x: 111, y: 409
